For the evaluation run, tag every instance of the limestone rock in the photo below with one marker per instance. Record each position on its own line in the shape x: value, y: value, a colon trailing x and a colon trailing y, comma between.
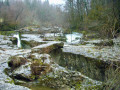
x: 46, y: 48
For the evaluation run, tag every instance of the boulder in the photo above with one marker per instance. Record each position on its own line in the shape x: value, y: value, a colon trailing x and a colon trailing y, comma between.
x: 46, y: 58
x: 16, y: 61
x: 23, y: 72
x: 46, y: 48
x: 60, y: 77
x: 31, y: 68
x: 8, y: 86
x: 5, y: 42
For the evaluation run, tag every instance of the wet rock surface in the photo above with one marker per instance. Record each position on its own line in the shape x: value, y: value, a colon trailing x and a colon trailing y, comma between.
x: 60, y: 77
x: 8, y: 86
x: 46, y: 48
x: 49, y: 73
x: 105, y: 53
x: 40, y: 68
x: 6, y: 83
x: 37, y: 64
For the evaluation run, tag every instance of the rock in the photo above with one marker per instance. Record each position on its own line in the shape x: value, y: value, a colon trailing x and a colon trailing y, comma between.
x: 3, y: 76
x: 100, y: 42
x: 46, y: 58
x: 6, y: 83
x: 46, y: 48
x: 105, y: 43
x: 41, y: 63
x: 7, y: 86
x: 38, y: 68
x: 46, y: 29
x: 16, y: 61
x: 14, y: 40
x: 31, y: 37
x: 5, y: 42
x: 29, y: 71
x: 23, y: 72
x: 60, y: 77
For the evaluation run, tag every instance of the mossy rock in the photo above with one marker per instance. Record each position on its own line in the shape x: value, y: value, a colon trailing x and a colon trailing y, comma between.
x: 16, y: 62
x: 14, y: 40
x: 47, y: 47
x: 105, y: 43
x: 60, y: 39
x: 39, y: 68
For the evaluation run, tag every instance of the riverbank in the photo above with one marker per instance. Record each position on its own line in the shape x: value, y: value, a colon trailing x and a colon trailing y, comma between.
x: 63, y: 76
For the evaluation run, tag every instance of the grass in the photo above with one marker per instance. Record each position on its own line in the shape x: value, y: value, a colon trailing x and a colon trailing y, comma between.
x: 112, y: 81
x: 7, y: 32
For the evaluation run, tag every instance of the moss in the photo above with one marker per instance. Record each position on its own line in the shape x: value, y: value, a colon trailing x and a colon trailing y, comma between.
x: 60, y: 38
x: 31, y: 57
x: 16, y: 62
x: 7, y: 32
x: 30, y: 44
x: 54, y: 82
x: 4, y: 38
x: 14, y: 41
x: 66, y: 31
x: 25, y: 44
x: 79, y: 86
x: 33, y: 77
x: 89, y: 51
x: 38, y: 68
x: 105, y: 43
x: 11, y: 81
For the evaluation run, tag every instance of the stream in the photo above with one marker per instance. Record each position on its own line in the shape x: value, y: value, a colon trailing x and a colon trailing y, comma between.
x: 17, y: 35
x: 92, y: 68
x: 73, y: 38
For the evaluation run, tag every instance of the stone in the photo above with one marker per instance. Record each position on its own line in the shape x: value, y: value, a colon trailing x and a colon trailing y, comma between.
x: 46, y: 48
x: 23, y: 72
x: 8, y: 86
x: 46, y: 58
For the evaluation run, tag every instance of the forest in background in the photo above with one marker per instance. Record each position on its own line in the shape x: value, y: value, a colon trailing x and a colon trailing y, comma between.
x: 20, y: 13
x: 101, y: 16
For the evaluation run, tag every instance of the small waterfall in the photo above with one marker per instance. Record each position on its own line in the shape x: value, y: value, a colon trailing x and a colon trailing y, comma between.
x: 74, y: 37
x: 18, y: 40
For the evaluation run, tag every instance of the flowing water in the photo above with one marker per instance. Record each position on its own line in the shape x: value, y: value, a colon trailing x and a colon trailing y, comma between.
x: 17, y: 35
x: 74, y: 38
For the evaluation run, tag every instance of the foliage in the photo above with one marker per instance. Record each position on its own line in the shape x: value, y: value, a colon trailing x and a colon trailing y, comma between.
x: 7, y: 32
x: 95, y: 15
x: 113, y: 79
x: 19, y: 13
x: 8, y: 26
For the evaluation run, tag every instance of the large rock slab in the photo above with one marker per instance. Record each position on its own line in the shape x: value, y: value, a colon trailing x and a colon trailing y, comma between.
x: 23, y: 72
x: 60, y: 77
x: 46, y: 48
x: 38, y: 64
